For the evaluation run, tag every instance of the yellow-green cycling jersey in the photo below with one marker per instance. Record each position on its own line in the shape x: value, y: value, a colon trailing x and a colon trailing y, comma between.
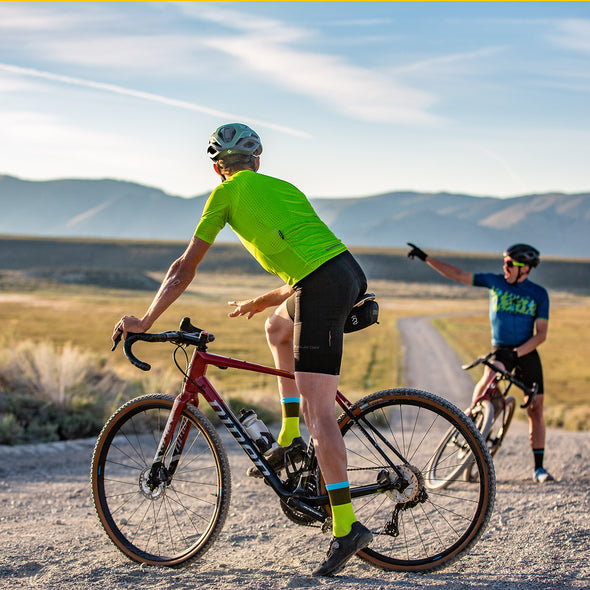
x: 275, y: 222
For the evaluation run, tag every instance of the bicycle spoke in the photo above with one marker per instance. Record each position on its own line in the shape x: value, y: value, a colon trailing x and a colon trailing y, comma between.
x: 174, y: 513
x: 415, y: 527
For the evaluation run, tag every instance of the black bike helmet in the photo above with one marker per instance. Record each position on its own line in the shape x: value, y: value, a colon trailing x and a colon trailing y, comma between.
x: 234, y: 138
x: 524, y: 253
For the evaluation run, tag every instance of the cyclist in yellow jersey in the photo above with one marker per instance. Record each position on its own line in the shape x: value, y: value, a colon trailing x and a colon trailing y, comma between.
x: 277, y: 224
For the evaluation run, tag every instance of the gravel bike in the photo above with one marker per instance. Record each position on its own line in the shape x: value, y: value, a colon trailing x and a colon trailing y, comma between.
x: 161, y: 480
x: 491, y: 412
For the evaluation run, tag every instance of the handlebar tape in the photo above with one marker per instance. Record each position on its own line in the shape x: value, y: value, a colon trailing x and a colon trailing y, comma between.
x: 188, y: 334
x: 132, y: 338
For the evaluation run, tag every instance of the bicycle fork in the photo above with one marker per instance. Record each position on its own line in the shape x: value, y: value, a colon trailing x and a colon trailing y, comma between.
x: 159, y: 473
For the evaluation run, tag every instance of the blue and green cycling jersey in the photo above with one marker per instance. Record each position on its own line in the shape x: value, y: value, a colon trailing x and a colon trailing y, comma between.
x: 275, y: 222
x: 513, y: 308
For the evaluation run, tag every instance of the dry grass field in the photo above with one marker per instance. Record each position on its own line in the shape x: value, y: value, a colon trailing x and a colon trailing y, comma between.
x: 84, y: 317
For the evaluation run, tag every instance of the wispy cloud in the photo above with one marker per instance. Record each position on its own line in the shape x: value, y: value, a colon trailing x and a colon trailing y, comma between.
x: 94, y: 35
x: 505, y: 165
x: 573, y: 34
x: 13, y: 84
x: 112, y: 88
x: 166, y: 53
x: 271, y: 48
x: 63, y: 149
x: 361, y: 22
x: 20, y: 17
x: 444, y: 60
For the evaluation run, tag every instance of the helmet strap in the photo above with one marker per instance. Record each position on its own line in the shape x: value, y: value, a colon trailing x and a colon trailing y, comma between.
x: 217, y: 169
x: 520, y: 273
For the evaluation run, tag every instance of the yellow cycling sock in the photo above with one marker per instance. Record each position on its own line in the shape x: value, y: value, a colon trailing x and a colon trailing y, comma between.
x: 342, y: 512
x: 290, y: 426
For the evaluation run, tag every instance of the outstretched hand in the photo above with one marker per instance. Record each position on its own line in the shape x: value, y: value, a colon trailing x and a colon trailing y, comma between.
x: 416, y: 252
x: 249, y: 308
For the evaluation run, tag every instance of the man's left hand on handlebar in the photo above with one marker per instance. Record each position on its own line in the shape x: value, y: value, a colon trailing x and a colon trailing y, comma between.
x: 128, y: 323
x: 507, y: 357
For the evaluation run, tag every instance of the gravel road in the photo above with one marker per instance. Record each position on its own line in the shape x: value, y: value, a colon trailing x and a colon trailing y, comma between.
x: 538, y: 537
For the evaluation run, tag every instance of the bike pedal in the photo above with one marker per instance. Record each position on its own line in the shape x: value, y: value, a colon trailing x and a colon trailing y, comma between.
x: 296, y: 458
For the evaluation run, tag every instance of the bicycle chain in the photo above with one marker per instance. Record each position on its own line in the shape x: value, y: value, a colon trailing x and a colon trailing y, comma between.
x: 327, y: 524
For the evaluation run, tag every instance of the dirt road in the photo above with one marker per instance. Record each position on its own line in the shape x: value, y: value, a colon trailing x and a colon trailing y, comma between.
x: 539, y: 536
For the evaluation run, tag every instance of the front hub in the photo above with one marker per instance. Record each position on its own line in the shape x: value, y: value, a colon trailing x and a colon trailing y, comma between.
x: 148, y: 487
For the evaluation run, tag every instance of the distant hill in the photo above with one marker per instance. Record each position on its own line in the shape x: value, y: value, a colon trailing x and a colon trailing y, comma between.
x: 126, y: 264
x: 558, y: 224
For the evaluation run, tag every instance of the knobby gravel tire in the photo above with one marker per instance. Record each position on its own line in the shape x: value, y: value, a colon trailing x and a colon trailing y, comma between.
x: 438, y: 526
x: 453, y: 456
x: 495, y: 435
x: 177, y: 521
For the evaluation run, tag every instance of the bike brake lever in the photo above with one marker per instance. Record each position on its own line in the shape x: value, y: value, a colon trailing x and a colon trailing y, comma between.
x: 116, y: 341
x: 532, y: 399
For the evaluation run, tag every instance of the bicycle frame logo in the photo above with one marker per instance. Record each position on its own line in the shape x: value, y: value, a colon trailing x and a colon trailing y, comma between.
x: 183, y: 429
x: 231, y: 425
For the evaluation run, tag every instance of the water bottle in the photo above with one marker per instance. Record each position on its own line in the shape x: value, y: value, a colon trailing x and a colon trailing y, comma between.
x: 257, y: 430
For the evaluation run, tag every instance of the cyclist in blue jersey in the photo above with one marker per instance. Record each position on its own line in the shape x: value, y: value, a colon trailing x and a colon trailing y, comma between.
x: 519, y: 317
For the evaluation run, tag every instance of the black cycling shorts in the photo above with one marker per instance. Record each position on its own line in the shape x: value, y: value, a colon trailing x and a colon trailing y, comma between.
x: 529, y: 369
x: 319, y: 307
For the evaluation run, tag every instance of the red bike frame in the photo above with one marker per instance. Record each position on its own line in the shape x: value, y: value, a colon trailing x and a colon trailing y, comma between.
x: 196, y: 383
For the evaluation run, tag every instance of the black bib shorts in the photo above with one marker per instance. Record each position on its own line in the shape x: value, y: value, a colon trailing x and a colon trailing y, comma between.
x: 529, y: 369
x: 319, y: 308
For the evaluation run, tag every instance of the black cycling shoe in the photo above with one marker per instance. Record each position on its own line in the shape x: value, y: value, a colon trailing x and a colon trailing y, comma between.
x: 343, y: 548
x: 276, y: 458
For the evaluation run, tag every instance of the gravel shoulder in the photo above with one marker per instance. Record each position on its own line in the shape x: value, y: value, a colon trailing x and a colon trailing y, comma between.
x: 538, y: 537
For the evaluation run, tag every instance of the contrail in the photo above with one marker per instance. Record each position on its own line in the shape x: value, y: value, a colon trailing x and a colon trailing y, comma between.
x: 181, y: 104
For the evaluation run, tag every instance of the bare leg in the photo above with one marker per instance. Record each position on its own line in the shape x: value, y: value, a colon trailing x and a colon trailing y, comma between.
x: 485, y: 380
x: 537, y: 424
x: 318, y: 395
x: 279, y: 335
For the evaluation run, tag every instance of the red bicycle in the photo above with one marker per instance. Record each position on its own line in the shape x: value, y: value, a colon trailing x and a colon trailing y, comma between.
x: 161, y: 480
x: 492, y: 413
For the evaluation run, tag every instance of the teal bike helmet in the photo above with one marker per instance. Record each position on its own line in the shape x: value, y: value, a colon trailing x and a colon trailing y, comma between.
x: 234, y: 138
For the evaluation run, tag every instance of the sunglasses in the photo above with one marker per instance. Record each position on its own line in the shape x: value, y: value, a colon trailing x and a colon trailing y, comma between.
x: 510, y: 263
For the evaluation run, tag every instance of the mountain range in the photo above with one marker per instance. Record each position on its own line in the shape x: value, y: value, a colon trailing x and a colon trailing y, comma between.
x: 557, y: 224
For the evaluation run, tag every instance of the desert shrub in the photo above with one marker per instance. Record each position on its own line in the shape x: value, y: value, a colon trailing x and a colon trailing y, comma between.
x: 51, y: 393
x: 10, y: 429
x: 48, y: 372
x: 27, y: 419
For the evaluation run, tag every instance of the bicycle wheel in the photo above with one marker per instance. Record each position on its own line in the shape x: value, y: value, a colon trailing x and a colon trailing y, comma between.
x: 453, y: 455
x: 178, y: 519
x: 496, y: 434
x: 415, y: 529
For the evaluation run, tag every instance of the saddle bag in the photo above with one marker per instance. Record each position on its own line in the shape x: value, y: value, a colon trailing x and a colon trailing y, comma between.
x: 364, y: 313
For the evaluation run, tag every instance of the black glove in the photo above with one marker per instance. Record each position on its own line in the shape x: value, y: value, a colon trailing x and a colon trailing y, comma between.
x: 507, y: 356
x: 415, y: 251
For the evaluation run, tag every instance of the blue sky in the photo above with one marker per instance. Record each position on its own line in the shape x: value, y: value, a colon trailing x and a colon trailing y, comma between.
x: 350, y: 98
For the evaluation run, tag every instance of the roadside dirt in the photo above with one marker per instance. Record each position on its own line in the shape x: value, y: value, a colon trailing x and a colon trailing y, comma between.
x: 538, y: 537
